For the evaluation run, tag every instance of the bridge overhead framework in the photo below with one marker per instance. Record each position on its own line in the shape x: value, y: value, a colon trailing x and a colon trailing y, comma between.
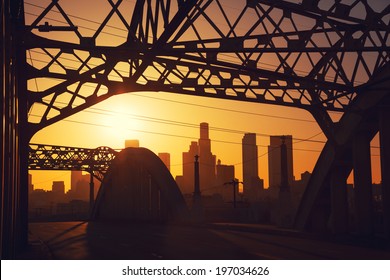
x: 338, y: 60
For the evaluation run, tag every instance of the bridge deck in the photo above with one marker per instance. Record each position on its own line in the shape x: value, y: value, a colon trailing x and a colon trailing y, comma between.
x: 83, y: 240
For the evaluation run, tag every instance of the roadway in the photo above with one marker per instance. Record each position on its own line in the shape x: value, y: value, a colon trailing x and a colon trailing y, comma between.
x: 98, y: 240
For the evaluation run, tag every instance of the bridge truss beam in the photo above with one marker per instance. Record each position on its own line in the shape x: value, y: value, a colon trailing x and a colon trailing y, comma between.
x: 49, y: 157
x: 309, y: 55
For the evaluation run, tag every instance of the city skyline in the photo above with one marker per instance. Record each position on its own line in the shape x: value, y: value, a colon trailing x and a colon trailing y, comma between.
x: 305, y: 152
x: 246, y: 123
x: 163, y: 121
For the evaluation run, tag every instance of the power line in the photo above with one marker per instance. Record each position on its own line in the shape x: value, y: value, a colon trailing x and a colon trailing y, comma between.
x: 227, y: 110
x: 126, y: 30
x: 167, y: 134
x: 106, y: 112
x: 217, y: 108
x: 182, y: 124
x: 192, y: 104
x: 186, y: 124
x: 198, y: 105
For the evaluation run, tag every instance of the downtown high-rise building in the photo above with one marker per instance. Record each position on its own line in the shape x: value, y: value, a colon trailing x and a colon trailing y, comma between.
x: 207, y: 163
x: 224, y: 178
x: 186, y: 181
x: 274, y: 160
x: 250, y: 168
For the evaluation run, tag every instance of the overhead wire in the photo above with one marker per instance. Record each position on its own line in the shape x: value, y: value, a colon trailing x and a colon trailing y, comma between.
x: 107, y: 112
x: 95, y: 22
x: 174, y: 101
x: 174, y: 135
x: 125, y: 30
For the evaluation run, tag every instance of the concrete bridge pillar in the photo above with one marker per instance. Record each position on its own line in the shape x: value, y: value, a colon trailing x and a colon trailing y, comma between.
x: 339, y: 201
x: 363, y: 182
x: 384, y: 134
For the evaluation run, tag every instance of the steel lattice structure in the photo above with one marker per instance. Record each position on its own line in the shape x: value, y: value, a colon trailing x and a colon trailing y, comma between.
x: 319, y: 55
x: 49, y: 157
x: 313, y: 55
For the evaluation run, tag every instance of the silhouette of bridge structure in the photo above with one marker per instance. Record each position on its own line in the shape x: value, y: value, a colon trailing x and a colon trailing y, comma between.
x: 321, y: 56
x: 51, y: 157
x: 135, y: 183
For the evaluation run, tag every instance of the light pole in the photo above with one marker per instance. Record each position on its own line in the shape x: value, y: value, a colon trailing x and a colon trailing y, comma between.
x: 234, y: 183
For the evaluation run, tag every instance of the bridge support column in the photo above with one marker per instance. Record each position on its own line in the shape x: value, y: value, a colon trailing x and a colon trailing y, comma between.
x: 363, y: 182
x: 384, y: 134
x: 339, y: 202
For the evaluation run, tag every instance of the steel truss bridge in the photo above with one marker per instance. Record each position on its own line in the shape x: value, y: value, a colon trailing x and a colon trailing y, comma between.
x: 322, y: 56
x: 49, y: 157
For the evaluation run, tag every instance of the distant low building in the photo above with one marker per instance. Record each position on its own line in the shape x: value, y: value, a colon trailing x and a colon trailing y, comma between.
x: 132, y: 143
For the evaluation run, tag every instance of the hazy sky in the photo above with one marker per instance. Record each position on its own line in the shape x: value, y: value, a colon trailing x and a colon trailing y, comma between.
x: 166, y: 122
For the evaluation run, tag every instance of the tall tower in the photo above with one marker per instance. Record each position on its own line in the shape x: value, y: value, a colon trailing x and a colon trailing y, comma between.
x: 187, y: 182
x: 250, y: 168
x: 274, y: 160
x: 207, y: 161
x: 207, y: 164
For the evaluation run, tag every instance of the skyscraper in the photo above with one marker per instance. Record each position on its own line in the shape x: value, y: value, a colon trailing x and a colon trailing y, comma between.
x: 250, y: 168
x: 207, y: 163
x: 186, y: 182
x: 274, y: 160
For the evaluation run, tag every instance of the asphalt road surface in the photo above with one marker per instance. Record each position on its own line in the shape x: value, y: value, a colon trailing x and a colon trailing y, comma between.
x: 97, y: 240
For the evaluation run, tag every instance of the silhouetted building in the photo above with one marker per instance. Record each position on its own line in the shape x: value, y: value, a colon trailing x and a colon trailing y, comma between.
x: 40, y: 203
x: 207, y: 164
x: 207, y: 161
x: 58, y: 187
x: 166, y: 159
x: 305, y: 177
x: 250, y: 168
x: 79, y: 187
x: 274, y: 161
x: 132, y: 143
x: 186, y: 182
x: 57, y: 193
x: 225, y: 174
x: 299, y: 186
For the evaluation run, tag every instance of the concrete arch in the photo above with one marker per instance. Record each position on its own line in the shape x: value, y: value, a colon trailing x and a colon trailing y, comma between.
x: 139, y: 187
